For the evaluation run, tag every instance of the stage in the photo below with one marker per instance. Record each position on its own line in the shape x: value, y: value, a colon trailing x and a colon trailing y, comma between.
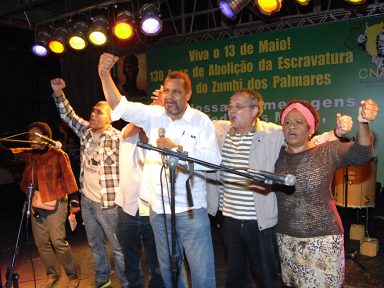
x: 362, y: 271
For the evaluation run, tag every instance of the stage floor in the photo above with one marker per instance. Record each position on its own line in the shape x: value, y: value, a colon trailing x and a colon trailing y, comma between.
x: 362, y: 271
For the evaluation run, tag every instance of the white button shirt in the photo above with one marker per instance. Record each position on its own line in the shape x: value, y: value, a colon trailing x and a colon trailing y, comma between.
x: 194, y: 131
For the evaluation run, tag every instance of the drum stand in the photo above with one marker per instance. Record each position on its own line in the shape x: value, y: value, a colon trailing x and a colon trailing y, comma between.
x: 346, y: 224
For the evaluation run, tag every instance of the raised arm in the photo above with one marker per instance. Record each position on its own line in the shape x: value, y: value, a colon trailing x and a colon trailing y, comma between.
x: 111, y: 93
x: 367, y: 112
x: 69, y: 116
x: 130, y: 130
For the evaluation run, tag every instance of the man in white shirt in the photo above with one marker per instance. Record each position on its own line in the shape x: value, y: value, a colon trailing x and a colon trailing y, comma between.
x: 185, y: 129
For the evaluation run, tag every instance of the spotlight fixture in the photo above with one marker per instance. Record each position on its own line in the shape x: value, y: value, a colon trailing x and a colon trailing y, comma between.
x: 58, y: 40
x: 78, y: 36
x: 356, y: 2
x: 150, y: 22
x: 98, y: 30
x: 40, y: 48
x: 303, y: 2
x: 268, y: 7
x: 123, y: 28
x: 230, y: 8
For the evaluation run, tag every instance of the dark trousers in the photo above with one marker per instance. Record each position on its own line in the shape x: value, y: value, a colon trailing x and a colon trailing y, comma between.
x: 133, y: 232
x: 251, y: 253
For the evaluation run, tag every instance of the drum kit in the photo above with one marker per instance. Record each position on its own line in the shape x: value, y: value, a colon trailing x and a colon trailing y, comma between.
x: 355, y: 187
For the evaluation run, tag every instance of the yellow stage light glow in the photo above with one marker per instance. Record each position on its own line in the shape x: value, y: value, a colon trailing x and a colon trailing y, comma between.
x: 97, y: 38
x: 77, y: 43
x: 269, y: 7
x: 59, y: 39
x: 123, y: 31
x: 123, y: 28
x: 56, y: 47
x: 98, y: 30
x: 303, y: 2
x: 78, y: 35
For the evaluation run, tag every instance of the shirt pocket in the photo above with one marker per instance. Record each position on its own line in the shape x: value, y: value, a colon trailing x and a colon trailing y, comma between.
x: 189, y: 140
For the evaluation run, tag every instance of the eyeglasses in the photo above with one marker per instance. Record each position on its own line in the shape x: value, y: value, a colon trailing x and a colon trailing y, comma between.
x: 238, y: 107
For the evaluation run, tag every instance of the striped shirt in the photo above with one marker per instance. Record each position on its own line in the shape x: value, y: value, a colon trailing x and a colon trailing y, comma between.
x: 236, y: 195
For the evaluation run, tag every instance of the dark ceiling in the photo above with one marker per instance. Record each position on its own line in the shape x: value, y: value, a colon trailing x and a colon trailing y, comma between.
x: 182, y: 19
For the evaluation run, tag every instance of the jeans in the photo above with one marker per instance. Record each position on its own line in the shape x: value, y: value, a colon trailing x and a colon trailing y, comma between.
x: 134, y: 232
x: 49, y: 230
x: 100, y: 224
x: 250, y: 252
x: 193, y: 233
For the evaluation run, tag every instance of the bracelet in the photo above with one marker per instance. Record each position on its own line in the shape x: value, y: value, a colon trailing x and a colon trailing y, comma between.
x: 337, y: 136
x: 74, y: 204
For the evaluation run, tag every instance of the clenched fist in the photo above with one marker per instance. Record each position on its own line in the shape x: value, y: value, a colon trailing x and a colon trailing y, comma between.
x: 106, y: 62
x: 367, y: 111
x: 344, y: 124
x: 58, y: 85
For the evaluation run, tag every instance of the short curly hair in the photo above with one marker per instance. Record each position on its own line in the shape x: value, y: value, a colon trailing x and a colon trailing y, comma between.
x: 255, y: 98
x: 308, y: 105
x: 43, y: 127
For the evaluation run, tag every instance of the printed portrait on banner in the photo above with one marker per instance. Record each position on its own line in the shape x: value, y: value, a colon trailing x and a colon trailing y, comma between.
x: 132, y: 77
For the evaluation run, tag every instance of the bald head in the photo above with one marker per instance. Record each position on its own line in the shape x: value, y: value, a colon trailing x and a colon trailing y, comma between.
x: 100, y: 117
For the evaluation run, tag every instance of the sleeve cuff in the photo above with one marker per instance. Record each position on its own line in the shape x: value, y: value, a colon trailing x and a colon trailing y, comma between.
x: 119, y: 109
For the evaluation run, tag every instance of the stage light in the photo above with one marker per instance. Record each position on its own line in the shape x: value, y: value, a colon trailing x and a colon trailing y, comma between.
x: 150, y: 22
x: 303, y: 2
x: 59, y: 39
x: 78, y: 36
x: 230, y: 8
x: 98, y: 30
x: 269, y: 7
x: 40, y: 48
x: 123, y: 28
x: 356, y: 2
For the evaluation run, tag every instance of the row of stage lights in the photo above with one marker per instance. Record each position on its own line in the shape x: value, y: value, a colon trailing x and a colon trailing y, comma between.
x: 80, y: 31
x: 230, y: 8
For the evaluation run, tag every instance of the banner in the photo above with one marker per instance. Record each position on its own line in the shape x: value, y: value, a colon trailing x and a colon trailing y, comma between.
x: 333, y: 65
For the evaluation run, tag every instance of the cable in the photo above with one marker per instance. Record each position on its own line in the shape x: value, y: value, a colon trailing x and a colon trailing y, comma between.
x: 164, y: 215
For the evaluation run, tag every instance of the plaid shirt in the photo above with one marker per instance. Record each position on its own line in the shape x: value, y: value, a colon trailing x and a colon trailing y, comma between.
x: 51, y: 169
x: 108, y: 150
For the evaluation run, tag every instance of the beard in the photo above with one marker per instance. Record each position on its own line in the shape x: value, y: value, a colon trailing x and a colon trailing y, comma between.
x: 172, y: 107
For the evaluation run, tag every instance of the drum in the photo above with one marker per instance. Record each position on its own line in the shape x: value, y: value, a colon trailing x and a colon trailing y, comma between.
x: 360, y: 184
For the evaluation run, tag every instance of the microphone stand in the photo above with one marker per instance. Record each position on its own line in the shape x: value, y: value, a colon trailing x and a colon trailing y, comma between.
x: 20, y: 141
x: 172, y: 165
x: 11, y: 276
x: 253, y: 175
x: 173, y: 158
x: 351, y: 254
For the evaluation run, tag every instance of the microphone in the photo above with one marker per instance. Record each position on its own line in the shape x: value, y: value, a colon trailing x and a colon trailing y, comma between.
x: 161, y: 132
x: 47, y: 140
x: 288, y: 179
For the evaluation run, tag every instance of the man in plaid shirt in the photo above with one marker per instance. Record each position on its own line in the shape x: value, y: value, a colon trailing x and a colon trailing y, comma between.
x: 99, y: 181
x: 48, y: 172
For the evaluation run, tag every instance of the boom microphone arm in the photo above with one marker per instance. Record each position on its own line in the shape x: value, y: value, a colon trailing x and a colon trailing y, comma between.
x: 255, y: 175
